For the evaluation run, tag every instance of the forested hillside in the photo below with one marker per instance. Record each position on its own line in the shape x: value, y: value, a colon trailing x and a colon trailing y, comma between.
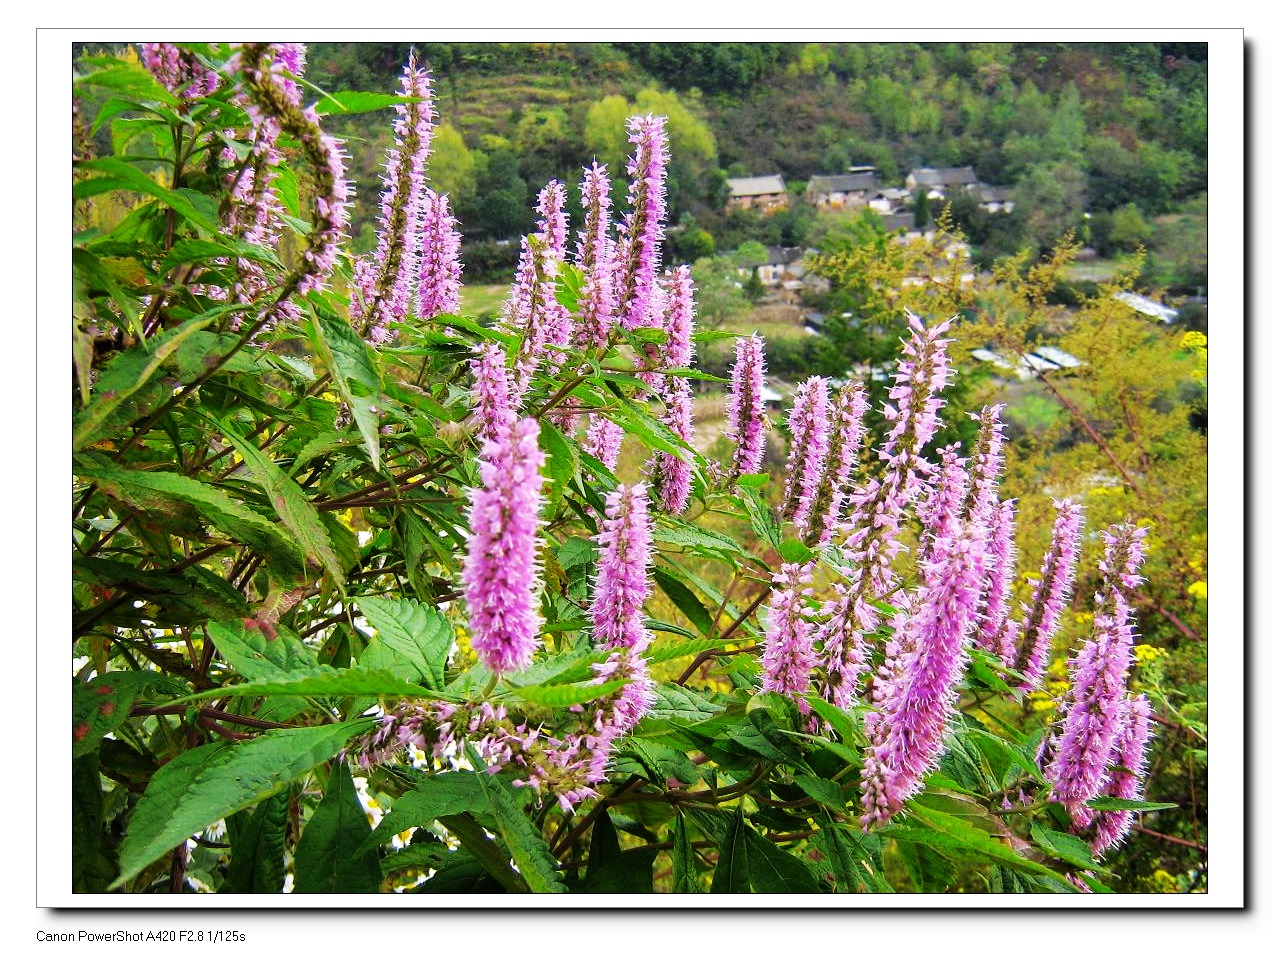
x: 1117, y: 131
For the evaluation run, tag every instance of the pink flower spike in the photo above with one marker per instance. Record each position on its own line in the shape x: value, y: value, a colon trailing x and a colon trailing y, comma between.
x: 746, y: 412
x: 809, y: 444
x: 500, y: 575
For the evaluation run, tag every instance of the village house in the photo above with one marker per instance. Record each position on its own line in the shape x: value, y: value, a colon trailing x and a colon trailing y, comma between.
x: 937, y: 182
x: 994, y: 200
x: 767, y: 193
x: 829, y: 192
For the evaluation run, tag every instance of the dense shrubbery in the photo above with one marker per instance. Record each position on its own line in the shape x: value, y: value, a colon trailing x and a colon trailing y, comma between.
x: 341, y: 551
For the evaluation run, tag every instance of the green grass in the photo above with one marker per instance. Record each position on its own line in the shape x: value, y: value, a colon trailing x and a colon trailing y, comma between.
x: 479, y: 300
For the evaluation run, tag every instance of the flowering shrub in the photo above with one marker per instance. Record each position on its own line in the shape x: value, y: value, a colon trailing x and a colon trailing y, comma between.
x: 326, y: 524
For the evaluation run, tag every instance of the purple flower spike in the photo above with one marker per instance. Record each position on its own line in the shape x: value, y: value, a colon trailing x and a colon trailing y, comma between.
x: 916, y: 691
x: 876, y: 509
x: 789, y: 655
x: 400, y: 215
x: 673, y: 475
x: 1002, y: 550
x: 1057, y: 578
x: 622, y: 583
x: 595, y: 257
x: 179, y: 70
x: 678, y: 319
x: 847, y: 409
x: 746, y: 406
x: 1086, y: 745
x: 809, y: 443
x: 1125, y: 781
x: 642, y: 232
x: 491, y: 395
x: 603, y: 439
x: 500, y: 574
x: 440, y: 274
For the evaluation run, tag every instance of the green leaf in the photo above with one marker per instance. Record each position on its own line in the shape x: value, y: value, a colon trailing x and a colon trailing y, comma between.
x: 731, y: 874
x: 761, y: 736
x: 290, y: 503
x: 1117, y: 803
x: 100, y: 705
x: 685, y: 877
x: 929, y: 868
x: 329, y: 859
x: 436, y: 795
x: 567, y: 694
x: 260, y: 651
x: 849, y: 863
x: 201, y: 786
x: 412, y: 642
x: 257, y: 848
x: 354, y: 368
x: 685, y: 600
x: 950, y: 833
x: 128, y: 373
x: 674, y: 702
x: 678, y: 532
x: 793, y: 550
x: 120, y: 175
x: 358, y: 102
x: 93, y: 858
x: 612, y: 870
x: 1066, y: 847
x: 325, y: 682
x: 753, y: 480
x: 190, y: 596
x: 562, y: 462
x: 823, y: 790
x: 538, y: 867
x: 773, y: 870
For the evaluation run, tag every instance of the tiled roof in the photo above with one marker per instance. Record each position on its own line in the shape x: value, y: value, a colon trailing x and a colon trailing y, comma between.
x: 830, y: 183
x: 753, y: 186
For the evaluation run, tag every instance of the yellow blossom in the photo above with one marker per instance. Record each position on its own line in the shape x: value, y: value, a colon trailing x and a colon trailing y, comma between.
x: 1194, y: 339
x: 1145, y: 653
x: 1198, y: 589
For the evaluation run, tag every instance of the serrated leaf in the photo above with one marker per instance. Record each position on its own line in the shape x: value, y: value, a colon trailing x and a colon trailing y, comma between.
x: 773, y: 870
x: 823, y: 790
x: 259, y: 651
x: 358, y: 102
x: 128, y: 373
x: 685, y: 600
x: 413, y: 639
x: 355, y: 373
x: 688, y: 536
x: 120, y: 175
x: 290, y: 504
x: 538, y: 867
x: 257, y: 848
x: 156, y: 492
x: 103, y: 703
x: 329, y: 858
x: 1118, y: 803
x: 93, y: 859
x: 793, y: 550
x: 202, y: 786
x: 672, y: 702
x: 436, y: 795
x: 560, y: 695
x: 731, y: 875
x: 684, y: 878
x: 325, y: 682
x: 612, y: 870
x: 1064, y: 846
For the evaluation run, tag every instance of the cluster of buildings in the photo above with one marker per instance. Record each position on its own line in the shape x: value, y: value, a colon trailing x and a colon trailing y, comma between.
x: 860, y: 187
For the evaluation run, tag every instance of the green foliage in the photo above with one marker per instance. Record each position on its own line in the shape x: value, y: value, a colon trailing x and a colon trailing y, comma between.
x: 270, y: 513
